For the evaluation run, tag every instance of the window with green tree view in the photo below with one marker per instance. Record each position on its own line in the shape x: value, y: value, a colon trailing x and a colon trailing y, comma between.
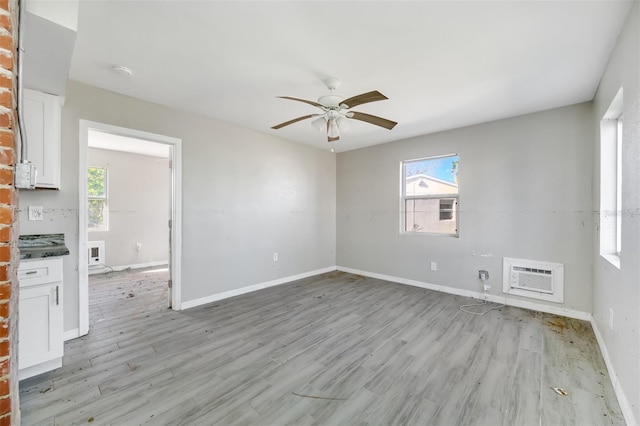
x: 97, y: 199
x: 430, y: 195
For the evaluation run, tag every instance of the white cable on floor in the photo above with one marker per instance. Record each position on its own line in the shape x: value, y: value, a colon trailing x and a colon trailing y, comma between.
x: 483, y: 275
x: 484, y: 302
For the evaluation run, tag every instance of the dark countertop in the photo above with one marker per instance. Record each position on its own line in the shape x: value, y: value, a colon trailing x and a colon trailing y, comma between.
x: 44, y: 245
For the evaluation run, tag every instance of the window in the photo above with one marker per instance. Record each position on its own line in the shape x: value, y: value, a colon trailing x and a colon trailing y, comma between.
x: 611, y: 127
x: 446, y: 209
x: 429, y: 202
x: 97, y: 199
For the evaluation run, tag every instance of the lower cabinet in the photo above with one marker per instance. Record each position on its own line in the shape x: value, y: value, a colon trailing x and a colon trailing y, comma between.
x: 40, y: 332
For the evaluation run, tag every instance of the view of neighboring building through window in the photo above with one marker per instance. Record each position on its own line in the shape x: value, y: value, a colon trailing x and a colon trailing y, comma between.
x: 430, y: 195
x: 97, y: 199
x: 611, y: 218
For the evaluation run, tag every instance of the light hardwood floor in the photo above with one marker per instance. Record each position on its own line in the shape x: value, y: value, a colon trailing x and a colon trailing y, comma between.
x: 331, y: 349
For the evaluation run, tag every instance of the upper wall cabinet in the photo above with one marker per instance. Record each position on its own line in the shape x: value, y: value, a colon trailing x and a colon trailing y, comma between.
x: 42, y: 127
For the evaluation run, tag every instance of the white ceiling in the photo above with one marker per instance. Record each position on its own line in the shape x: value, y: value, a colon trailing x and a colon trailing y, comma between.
x: 443, y: 64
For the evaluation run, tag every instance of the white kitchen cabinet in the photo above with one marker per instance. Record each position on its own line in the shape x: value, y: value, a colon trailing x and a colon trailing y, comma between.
x: 40, y: 331
x: 42, y: 114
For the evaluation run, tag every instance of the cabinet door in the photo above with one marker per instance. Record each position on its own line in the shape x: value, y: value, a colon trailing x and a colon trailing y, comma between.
x: 40, y: 336
x: 42, y: 128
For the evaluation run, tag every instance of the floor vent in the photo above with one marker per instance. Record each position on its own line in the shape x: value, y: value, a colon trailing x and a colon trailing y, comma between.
x: 96, y: 254
x: 534, y: 279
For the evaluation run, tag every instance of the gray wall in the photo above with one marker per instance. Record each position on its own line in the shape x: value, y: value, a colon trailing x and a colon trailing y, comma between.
x: 138, y: 202
x: 525, y: 192
x: 245, y: 196
x: 619, y: 289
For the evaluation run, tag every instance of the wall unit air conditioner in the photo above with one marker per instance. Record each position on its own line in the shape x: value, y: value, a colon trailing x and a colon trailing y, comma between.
x: 534, y: 279
x: 96, y: 254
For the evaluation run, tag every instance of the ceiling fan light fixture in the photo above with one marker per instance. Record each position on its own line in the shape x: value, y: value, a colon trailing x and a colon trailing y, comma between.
x: 320, y: 123
x: 343, y: 123
x: 333, y: 131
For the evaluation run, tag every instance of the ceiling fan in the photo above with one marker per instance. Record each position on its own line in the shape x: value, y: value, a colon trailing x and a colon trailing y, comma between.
x: 336, y: 111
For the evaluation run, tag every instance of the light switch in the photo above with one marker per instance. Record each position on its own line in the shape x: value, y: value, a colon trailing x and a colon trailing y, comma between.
x: 35, y: 213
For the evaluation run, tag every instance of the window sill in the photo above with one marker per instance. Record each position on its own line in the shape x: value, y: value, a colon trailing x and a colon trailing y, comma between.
x: 430, y: 234
x: 613, y: 259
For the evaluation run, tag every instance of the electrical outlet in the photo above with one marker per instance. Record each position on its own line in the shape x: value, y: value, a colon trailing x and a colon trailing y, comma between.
x: 275, y: 257
x: 434, y: 266
x: 138, y: 246
x: 611, y: 319
x: 487, y: 287
x: 35, y: 213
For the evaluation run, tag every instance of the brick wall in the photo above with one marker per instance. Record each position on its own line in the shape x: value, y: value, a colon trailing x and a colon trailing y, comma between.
x: 9, y: 395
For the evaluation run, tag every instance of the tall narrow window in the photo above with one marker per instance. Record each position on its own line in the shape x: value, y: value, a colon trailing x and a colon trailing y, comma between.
x: 97, y: 199
x: 619, y: 185
x: 611, y: 218
x: 430, y: 195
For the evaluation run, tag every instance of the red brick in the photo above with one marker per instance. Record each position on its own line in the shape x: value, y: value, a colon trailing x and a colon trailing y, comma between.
x: 6, y: 195
x: 6, y: 81
x: 5, y: 117
x: 6, y: 234
x: 4, y: 5
x: 6, y: 99
x: 6, y: 176
x: 6, y: 215
x: 6, y: 42
x: 6, y: 420
x: 4, y: 333
x: 4, y: 367
x: 5, y: 406
x: 5, y: 22
x: 6, y: 156
x: 4, y: 350
x: 7, y: 138
x: 5, y: 292
x: 4, y: 313
x: 5, y: 253
x: 6, y: 61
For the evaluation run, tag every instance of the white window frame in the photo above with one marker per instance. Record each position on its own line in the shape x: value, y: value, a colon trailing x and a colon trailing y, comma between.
x: 611, y: 203
x: 105, y: 198
x: 404, y: 198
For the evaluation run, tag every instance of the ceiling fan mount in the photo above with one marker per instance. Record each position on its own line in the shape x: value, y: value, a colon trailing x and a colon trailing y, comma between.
x: 336, y: 111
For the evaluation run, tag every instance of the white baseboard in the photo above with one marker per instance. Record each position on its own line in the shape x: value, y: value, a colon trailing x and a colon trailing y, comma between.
x: 627, y: 412
x: 71, y: 334
x: 34, y: 370
x: 255, y: 287
x: 571, y: 313
x: 102, y: 270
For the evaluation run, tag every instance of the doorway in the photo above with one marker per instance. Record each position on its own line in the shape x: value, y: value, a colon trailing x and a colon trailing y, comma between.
x: 103, y: 143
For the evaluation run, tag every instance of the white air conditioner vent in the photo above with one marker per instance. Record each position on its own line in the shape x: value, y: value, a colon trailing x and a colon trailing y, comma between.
x: 534, y: 279
x: 96, y: 254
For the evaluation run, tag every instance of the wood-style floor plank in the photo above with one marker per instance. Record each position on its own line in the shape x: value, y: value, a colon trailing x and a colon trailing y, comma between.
x: 331, y: 349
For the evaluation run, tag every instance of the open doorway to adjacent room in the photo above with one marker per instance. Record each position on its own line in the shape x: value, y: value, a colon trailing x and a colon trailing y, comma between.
x: 130, y: 194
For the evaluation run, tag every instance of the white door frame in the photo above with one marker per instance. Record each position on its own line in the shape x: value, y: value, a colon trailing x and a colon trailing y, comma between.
x: 176, y: 213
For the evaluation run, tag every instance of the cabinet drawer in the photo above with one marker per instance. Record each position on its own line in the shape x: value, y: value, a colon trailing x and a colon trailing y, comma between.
x: 35, y: 272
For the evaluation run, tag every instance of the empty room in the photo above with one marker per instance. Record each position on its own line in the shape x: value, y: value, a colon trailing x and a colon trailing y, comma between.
x: 332, y: 213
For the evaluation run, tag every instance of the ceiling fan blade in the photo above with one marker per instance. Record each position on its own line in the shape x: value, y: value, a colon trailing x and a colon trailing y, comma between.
x: 364, y: 98
x: 295, y: 120
x: 315, y: 104
x: 378, y: 121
